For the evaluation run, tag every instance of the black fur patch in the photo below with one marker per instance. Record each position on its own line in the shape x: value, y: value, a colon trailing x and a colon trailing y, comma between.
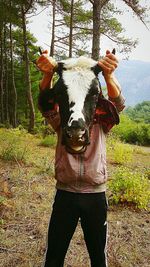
x: 46, y: 100
x: 96, y: 69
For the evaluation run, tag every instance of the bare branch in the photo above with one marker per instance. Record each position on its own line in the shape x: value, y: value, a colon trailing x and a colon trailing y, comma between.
x: 61, y: 38
x: 47, y: 44
x: 137, y: 9
x: 37, y: 13
x: 28, y: 7
x: 121, y: 41
x: 62, y: 24
x: 65, y: 37
x: 82, y: 28
x: 61, y: 47
x: 62, y: 42
x: 115, y: 41
x: 58, y: 20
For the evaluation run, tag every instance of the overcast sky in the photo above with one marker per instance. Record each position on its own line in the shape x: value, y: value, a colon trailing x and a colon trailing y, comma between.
x: 134, y: 28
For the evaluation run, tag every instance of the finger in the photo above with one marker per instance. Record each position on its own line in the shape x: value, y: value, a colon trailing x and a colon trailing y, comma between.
x: 107, y: 52
x: 108, y: 63
x: 111, y: 61
x: 44, y: 65
x: 112, y: 56
x: 42, y: 58
x: 45, y: 52
x: 105, y: 67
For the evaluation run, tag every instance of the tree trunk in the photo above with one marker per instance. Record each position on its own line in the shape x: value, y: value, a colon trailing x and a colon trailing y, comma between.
x: 96, y: 29
x: 6, y: 75
x: 97, y: 7
x: 71, y: 29
x: 13, y: 93
x: 53, y: 30
x: 27, y: 76
x: 1, y: 78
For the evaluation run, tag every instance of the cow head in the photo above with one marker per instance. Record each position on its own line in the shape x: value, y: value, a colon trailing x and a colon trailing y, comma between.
x: 77, y: 91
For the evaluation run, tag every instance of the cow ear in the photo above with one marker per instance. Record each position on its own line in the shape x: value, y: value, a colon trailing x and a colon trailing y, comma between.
x: 96, y: 69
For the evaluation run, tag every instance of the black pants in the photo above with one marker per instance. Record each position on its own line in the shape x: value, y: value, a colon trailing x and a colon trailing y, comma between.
x: 68, y: 207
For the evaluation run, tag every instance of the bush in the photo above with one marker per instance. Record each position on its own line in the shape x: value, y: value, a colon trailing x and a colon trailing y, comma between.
x: 49, y: 141
x: 130, y: 187
x: 143, y: 134
x: 119, y: 152
x: 122, y: 153
x: 132, y: 132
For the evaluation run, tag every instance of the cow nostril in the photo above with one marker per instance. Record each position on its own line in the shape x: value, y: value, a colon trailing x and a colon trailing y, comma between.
x: 68, y: 133
x: 81, y: 133
x: 81, y: 138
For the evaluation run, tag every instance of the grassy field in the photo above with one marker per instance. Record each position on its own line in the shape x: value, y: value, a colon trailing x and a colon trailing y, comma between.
x: 27, y: 189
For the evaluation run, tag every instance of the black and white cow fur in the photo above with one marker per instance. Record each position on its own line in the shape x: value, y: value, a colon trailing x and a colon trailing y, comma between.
x: 76, y: 93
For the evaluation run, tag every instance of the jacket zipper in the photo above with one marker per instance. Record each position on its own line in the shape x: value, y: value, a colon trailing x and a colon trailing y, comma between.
x: 81, y: 166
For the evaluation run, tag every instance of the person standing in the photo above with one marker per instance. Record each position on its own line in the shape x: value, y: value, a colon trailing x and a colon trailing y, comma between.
x: 79, y: 196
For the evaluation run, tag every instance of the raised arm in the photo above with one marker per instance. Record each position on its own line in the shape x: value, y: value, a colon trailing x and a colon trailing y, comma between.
x: 46, y: 65
x: 109, y: 63
x: 47, y: 105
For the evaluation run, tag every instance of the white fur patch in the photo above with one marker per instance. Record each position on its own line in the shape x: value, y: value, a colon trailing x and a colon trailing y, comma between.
x: 78, y: 83
x: 78, y: 78
x: 79, y: 63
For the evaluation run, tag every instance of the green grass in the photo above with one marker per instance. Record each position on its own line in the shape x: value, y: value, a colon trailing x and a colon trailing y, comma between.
x: 13, y: 144
x: 49, y: 141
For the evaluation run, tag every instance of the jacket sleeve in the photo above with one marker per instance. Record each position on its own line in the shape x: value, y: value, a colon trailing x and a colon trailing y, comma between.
x: 119, y: 102
x: 49, y: 108
x: 107, y: 111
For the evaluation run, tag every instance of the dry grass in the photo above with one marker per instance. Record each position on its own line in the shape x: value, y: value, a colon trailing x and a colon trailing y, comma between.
x: 26, y: 195
x: 25, y: 217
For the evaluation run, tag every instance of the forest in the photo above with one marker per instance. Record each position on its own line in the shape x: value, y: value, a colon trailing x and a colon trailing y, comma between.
x: 73, y: 25
x: 27, y: 143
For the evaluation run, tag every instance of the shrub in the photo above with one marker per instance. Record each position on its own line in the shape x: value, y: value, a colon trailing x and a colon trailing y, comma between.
x: 119, y: 152
x: 143, y: 134
x: 49, y: 141
x: 122, y: 153
x: 130, y: 187
x: 132, y: 132
x: 125, y: 128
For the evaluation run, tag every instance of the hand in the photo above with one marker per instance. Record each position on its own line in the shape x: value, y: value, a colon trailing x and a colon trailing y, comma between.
x: 108, y: 64
x: 45, y: 63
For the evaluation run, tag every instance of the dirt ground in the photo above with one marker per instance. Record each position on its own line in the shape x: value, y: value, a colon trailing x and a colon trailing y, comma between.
x: 26, y: 197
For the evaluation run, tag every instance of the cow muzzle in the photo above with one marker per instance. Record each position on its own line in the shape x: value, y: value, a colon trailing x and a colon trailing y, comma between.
x: 75, y: 140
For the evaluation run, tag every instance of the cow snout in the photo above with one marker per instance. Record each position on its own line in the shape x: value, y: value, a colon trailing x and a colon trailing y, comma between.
x: 75, y: 138
x: 75, y: 134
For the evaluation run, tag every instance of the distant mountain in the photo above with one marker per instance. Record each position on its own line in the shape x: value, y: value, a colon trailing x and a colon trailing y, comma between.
x: 134, y: 77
